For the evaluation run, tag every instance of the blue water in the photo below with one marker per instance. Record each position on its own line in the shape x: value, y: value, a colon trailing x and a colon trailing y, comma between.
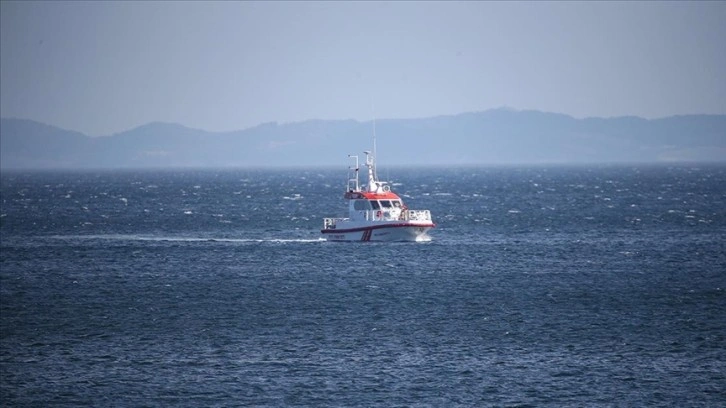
x: 542, y: 286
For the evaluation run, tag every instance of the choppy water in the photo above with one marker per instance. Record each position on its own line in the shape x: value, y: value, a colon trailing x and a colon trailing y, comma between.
x: 571, y: 286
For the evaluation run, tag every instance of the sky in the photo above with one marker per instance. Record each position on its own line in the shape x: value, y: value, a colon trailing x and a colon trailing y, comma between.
x: 105, y: 67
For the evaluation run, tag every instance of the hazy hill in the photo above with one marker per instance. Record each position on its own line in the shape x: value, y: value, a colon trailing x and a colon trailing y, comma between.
x: 498, y: 136
x: 28, y: 144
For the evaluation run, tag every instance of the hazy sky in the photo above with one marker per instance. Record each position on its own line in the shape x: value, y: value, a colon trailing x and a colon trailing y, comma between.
x: 103, y: 67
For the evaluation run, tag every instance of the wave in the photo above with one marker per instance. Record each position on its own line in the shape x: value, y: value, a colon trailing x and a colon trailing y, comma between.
x: 127, y: 237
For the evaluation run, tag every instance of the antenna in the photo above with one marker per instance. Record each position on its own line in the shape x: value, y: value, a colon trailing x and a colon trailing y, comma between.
x: 375, y: 154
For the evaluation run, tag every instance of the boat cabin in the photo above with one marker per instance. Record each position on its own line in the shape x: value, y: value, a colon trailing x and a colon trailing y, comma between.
x: 375, y: 206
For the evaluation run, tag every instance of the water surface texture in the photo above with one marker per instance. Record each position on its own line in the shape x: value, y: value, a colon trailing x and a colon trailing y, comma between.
x: 542, y: 286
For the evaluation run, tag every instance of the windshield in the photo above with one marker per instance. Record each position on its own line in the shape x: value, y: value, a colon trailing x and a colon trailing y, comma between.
x: 360, y: 205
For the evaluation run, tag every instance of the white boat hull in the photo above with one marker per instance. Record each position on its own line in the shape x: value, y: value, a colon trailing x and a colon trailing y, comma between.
x: 380, y: 232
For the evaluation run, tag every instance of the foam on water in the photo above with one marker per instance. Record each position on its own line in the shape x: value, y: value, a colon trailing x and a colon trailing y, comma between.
x: 124, y: 237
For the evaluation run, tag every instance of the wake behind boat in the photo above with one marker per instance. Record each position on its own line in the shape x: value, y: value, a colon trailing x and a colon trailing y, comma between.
x: 376, y: 213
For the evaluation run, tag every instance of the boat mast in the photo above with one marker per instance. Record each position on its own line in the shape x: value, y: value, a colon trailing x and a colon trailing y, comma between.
x: 375, y: 154
x: 370, y: 163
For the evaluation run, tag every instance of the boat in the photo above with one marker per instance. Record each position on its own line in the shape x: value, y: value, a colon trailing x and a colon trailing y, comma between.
x: 375, y: 213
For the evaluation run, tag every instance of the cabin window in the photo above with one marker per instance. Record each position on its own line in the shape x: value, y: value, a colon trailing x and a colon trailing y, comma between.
x: 385, y: 204
x: 375, y: 205
x: 360, y: 205
x: 397, y: 204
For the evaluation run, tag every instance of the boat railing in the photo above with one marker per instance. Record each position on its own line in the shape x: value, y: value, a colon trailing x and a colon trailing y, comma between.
x: 380, y: 215
x: 405, y: 215
x: 417, y: 215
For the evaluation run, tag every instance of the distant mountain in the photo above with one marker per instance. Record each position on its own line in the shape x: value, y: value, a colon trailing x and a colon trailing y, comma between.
x: 28, y: 144
x: 497, y: 136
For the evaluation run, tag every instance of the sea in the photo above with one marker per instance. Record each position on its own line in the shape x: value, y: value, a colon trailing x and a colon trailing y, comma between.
x: 555, y: 286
